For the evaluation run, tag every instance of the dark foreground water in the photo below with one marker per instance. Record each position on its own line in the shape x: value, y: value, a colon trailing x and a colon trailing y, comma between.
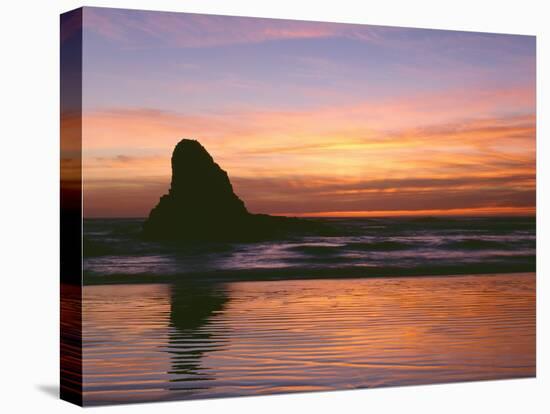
x: 147, y: 342
x: 183, y: 321
x: 114, y: 251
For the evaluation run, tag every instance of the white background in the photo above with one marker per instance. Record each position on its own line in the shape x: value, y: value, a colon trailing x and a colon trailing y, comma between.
x: 29, y: 204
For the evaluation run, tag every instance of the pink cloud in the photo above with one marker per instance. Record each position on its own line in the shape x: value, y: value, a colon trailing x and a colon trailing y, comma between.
x: 196, y: 30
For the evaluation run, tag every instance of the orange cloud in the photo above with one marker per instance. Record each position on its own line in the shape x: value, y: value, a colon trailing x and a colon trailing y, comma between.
x: 442, y: 140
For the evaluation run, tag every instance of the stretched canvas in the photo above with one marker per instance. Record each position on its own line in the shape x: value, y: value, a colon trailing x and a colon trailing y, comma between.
x: 257, y: 206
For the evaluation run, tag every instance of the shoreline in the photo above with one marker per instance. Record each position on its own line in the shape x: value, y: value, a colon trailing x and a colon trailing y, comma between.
x: 251, y: 275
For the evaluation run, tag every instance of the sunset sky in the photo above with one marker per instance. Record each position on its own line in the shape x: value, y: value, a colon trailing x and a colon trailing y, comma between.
x: 308, y: 118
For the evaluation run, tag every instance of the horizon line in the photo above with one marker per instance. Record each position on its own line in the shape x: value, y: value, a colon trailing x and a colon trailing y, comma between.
x: 480, y: 212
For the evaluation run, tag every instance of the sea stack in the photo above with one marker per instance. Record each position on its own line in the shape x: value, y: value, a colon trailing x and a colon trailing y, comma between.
x: 202, y: 206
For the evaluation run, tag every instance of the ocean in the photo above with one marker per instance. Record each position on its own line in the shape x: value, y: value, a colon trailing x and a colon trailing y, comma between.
x: 384, y: 302
x: 114, y: 251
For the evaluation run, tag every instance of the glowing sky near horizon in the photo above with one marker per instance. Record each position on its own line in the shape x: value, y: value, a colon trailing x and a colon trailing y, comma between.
x: 309, y: 118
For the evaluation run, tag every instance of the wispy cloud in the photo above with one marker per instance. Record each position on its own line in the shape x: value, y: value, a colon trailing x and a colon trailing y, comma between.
x: 321, y: 118
x: 466, y: 163
x: 278, y: 195
x: 327, y: 195
x: 198, y: 30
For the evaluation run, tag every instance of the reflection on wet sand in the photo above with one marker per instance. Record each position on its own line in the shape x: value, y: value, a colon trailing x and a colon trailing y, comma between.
x: 142, y: 340
x: 192, y: 305
x: 183, y: 341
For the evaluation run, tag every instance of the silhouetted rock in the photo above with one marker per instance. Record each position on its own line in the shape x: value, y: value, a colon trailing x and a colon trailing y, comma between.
x: 201, y: 205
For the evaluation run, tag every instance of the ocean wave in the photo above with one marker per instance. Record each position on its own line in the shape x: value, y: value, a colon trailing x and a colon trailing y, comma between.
x: 477, y: 244
x: 457, y: 245
x: 380, y: 246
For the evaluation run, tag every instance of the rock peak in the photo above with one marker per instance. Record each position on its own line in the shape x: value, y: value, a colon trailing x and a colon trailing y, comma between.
x: 201, y: 204
x: 200, y: 200
x: 196, y: 176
